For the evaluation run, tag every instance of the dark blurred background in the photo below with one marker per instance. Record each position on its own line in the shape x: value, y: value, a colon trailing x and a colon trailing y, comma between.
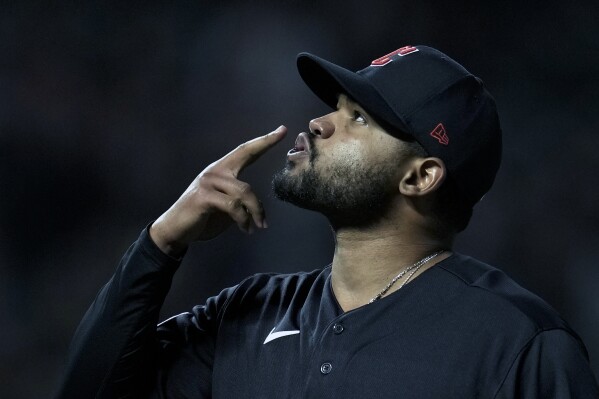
x: 107, y: 112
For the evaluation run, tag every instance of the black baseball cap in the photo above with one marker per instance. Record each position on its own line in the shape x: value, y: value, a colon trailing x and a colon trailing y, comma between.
x: 421, y: 92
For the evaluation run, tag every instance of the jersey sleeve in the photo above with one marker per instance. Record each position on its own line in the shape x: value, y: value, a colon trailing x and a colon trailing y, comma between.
x: 186, y: 350
x: 554, y: 364
x: 118, y: 351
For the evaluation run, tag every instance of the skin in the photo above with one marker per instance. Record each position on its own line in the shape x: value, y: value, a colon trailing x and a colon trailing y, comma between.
x: 365, y: 258
x: 349, y: 178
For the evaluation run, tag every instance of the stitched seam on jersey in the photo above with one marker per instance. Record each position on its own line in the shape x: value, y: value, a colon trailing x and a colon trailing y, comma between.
x: 496, y: 295
x: 538, y: 329
x: 535, y: 325
x: 440, y: 265
x: 524, y: 347
x: 220, y: 313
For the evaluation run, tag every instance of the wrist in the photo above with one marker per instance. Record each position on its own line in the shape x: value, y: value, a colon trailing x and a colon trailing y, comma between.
x: 168, y: 246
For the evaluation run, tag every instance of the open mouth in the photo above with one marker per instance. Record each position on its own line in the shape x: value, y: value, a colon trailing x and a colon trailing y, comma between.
x: 301, y: 147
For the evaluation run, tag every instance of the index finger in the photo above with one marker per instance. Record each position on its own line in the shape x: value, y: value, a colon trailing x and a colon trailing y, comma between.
x: 248, y: 152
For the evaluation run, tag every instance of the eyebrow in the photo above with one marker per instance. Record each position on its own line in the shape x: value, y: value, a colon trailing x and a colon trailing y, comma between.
x: 350, y: 102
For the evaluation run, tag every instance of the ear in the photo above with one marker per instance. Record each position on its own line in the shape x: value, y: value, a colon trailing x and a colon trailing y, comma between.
x: 423, y: 176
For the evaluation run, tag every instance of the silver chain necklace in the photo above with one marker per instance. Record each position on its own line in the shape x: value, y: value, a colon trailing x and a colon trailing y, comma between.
x: 413, y: 268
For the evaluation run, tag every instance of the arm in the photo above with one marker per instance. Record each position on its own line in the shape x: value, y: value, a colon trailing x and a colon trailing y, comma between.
x: 116, y: 332
x: 116, y: 351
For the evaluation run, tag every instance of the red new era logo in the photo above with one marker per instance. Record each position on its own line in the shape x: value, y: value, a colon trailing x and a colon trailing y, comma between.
x: 440, y: 134
x: 405, y: 50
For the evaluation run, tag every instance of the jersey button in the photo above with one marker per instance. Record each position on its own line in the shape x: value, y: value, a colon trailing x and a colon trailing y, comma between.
x: 326, y: 368
x: 338, y: 328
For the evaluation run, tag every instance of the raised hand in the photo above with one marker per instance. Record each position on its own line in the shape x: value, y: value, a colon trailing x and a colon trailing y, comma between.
x: 215, y: 199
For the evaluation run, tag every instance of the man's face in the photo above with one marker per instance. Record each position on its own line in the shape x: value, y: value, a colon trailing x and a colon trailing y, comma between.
x: 347, y: 168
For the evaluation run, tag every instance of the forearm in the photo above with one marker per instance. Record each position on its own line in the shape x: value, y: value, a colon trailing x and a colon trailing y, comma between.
x: 114, y: 351
x: 114, y: 346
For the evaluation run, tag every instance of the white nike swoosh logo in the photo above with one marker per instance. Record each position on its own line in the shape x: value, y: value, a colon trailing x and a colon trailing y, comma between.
x: 274, y: 335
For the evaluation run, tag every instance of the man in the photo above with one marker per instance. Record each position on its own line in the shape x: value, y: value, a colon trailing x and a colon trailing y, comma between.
x: 412, y: 145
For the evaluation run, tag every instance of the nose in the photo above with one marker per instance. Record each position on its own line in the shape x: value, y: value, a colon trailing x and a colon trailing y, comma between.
x: 322, y: 127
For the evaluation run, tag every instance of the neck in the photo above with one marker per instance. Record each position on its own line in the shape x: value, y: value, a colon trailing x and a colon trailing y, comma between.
x: 366, y: 260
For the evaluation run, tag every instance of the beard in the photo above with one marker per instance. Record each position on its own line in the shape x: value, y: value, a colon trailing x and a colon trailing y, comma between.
x: 350, y: 193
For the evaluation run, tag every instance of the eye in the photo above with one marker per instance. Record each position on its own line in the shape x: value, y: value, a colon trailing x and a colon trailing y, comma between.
x: 358, y: 117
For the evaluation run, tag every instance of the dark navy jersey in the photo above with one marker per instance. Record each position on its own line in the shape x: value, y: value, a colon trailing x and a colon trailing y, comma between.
x: 462, y: 329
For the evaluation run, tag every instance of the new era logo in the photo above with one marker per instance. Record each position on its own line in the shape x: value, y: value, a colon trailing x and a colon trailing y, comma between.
x: 405, y: 50
x: 440, y: 134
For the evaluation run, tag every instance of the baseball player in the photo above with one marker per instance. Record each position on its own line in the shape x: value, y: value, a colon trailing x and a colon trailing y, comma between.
x: 412, y: 143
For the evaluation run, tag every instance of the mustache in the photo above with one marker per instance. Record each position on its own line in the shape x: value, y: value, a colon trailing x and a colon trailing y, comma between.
x: 313, y: 150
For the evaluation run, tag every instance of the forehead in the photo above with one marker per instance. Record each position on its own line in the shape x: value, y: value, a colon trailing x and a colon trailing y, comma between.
x: 343, y: 100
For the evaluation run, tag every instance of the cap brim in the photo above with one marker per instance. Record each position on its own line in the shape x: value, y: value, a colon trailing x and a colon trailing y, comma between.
x: 328, y: 80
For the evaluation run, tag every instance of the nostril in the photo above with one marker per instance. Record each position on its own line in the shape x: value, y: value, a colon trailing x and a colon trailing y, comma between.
x: 321, y: 127
x: 314, y: 127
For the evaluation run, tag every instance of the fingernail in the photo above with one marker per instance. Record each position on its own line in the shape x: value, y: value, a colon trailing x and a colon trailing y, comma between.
x: 264, y: 224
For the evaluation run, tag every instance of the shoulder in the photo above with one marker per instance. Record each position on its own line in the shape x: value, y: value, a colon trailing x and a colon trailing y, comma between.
x: 282, y: 281
x: 489, y: 288
x: 551, y: 365
x: 252, y: 297
x: 520, y: 332
x: 276, y: 287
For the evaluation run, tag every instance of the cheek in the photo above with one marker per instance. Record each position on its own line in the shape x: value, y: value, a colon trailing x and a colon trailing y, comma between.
x: 343, y: 152
x: 352, y: 151
x: 386, y: 148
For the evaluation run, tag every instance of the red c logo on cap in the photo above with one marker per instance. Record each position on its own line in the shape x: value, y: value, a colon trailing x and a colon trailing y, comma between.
x: 405, y: 50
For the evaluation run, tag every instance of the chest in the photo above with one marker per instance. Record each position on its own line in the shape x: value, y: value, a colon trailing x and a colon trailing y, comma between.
x: 385, y: 354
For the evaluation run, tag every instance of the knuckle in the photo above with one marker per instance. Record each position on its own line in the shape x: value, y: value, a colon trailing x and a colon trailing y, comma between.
x: 203, y: 179
x: 206, y: 176
x: 210, y: 169
x: 240, y: 216
x: 234, y: 204
x: 244, y: 188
